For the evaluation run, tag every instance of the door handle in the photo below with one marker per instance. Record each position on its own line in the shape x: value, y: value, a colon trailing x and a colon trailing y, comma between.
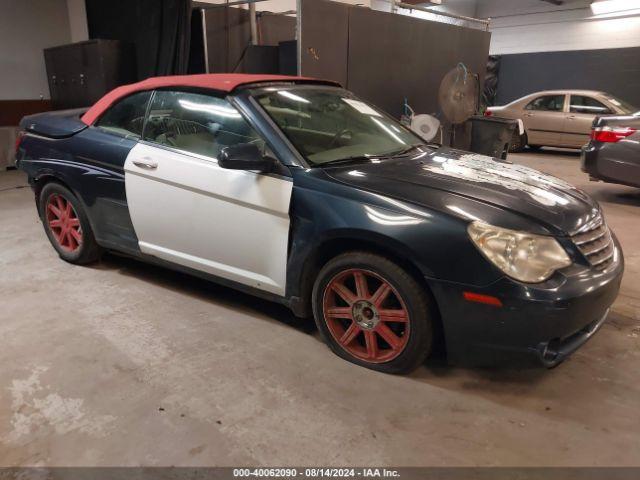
x: 146, y: 163
x: 571, y: 117
x: 528, y: 114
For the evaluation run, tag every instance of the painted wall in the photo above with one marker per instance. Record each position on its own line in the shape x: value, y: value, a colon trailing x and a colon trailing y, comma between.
x: 533, y: 26
x: 77, y: 11
x: 26, y: 28
x: 616, y: 71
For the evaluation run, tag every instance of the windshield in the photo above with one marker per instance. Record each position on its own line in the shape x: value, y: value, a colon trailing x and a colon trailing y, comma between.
x: 626, y: 107
x: 328, y: 124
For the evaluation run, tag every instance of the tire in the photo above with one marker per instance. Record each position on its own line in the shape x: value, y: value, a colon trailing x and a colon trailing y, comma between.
x: 518, y: 142
x: 67, y: 226
x: 357, y: 330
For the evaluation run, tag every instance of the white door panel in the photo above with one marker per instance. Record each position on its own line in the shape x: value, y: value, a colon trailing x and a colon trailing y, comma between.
x: 230, y: 223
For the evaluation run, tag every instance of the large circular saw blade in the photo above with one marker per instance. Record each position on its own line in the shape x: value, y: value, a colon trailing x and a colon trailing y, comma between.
x: 458, y: 95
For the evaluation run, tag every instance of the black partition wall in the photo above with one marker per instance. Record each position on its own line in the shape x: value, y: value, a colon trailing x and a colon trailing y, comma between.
x: 385, y: 57
x: 229, y: 46
x: 382, y: 57
x: 157, y: 31
x: 616, y: 71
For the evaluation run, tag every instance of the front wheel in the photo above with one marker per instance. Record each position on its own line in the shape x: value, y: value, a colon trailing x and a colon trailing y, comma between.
x: 371, y: 312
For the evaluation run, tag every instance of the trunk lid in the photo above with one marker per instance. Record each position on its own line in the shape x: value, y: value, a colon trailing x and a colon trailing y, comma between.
x: 59, y: 124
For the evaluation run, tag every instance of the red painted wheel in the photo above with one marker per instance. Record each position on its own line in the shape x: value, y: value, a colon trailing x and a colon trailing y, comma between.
x: 64, y: 223
x: 67, y: 225
x: 366, y: 315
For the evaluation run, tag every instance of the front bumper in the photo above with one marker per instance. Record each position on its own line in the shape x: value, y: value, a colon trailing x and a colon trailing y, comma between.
x: 546, y: 322
x: 552, y: 353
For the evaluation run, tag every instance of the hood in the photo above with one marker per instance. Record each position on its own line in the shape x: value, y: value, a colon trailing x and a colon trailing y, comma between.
x: 550, y: 201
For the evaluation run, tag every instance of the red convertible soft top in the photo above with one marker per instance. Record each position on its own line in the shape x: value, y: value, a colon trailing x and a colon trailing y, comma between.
x: 225, y: 82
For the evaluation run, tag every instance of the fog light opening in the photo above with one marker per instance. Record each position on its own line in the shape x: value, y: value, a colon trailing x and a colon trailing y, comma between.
x: 550, y: 351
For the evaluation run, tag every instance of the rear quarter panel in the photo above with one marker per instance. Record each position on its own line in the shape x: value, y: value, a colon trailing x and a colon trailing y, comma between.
x: 90, y: 163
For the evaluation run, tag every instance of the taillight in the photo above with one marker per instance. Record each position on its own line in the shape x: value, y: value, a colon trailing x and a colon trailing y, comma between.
x: 611, y: 134
x: 19, y: 141
x: 488, y: 113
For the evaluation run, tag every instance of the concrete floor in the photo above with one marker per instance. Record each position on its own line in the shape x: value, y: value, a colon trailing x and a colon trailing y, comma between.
x: 126, y: 364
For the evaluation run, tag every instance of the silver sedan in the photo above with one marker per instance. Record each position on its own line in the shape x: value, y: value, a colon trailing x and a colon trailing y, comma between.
x: 558, y: 118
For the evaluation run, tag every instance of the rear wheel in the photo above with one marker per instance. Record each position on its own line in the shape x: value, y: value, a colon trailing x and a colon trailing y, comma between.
x: 67, y: 226
x: 373, y: 313
x: 518, y: 142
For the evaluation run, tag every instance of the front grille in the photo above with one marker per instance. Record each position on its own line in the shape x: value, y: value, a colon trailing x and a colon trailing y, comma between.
x: 596, y: 244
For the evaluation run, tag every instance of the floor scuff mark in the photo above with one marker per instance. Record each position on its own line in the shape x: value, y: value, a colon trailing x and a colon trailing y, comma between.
x: 36, y: 410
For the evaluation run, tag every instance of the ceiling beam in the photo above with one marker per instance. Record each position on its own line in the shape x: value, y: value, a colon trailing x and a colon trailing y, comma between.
x: 418, y: 2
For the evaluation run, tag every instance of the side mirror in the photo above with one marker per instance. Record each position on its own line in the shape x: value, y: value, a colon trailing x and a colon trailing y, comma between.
x: 245, y: 156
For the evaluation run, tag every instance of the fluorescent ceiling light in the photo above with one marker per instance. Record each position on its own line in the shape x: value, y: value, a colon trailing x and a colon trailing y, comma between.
x: 293, y: 96
x: 610, y: 6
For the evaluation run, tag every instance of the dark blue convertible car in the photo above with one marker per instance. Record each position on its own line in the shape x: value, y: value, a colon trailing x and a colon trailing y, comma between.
x: 298, y: 191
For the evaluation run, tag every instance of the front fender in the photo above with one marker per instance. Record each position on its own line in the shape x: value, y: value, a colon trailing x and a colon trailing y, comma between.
x: 435, y: 243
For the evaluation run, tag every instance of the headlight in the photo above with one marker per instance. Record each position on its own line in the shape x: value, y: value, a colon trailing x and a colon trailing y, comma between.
x: 524, y: 256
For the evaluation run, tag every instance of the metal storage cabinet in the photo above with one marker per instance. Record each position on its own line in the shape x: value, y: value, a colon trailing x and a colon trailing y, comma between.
x: 80, y: 73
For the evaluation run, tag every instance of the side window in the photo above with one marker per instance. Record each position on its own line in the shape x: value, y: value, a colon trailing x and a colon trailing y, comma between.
x: 197, y: 123
x: 548, y: 103
x: 581, y: 104
x: 127, y: 116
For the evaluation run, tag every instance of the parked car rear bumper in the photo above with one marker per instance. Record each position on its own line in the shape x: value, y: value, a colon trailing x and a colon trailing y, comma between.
x: 612, y: 163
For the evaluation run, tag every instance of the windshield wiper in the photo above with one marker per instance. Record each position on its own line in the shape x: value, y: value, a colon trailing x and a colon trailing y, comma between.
x: 348, y: 160
x: 367, y: 158
x: 402, y: 152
